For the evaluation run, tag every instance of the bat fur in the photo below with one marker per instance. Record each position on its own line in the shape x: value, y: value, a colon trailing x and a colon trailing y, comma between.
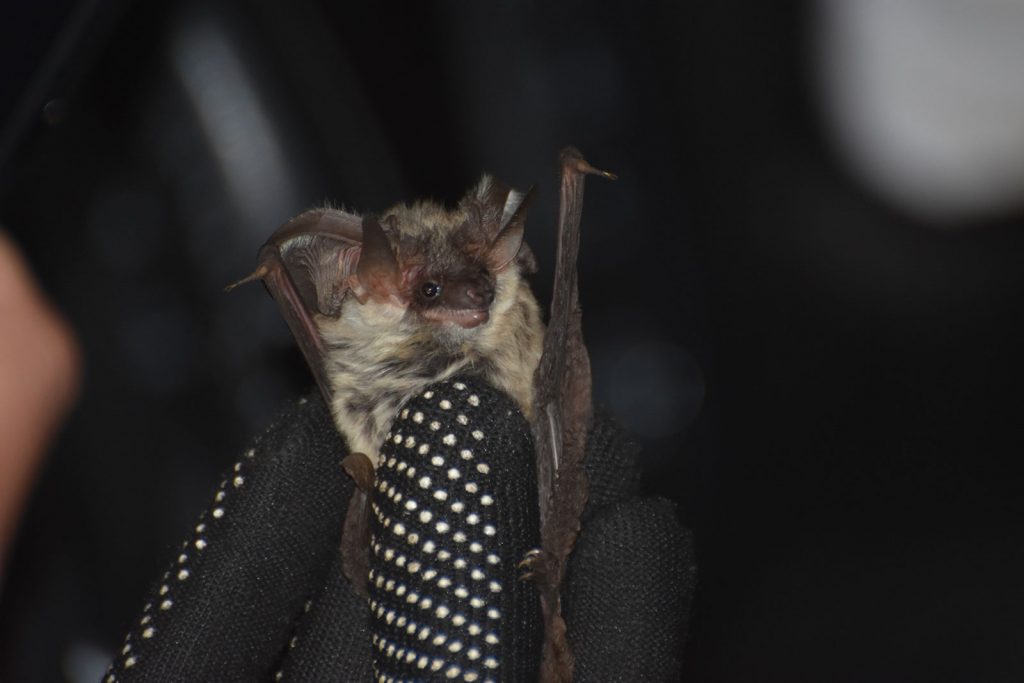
x: 384, y: 306
x: 379, y: 353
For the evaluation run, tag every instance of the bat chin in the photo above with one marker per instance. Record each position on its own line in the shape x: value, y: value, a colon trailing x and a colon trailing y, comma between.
x: 473, y: 318
x: 464, y: 318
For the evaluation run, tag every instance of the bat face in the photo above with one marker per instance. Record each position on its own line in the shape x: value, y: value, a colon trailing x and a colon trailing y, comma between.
x: 413, y: 297
x: 443, y: 268
x: 437, y: 275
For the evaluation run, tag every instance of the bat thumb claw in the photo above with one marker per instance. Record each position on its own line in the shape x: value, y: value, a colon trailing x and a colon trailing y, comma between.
x: 573, y: 159
x: 583, y: 166
x: 257, y: 274
x: 360, y: 468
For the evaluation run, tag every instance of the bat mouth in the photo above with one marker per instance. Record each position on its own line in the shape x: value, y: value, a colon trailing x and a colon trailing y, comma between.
x: 465, y: 318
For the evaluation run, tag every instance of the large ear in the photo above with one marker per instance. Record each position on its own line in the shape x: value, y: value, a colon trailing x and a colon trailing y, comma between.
x: 319, y: 248
x: 306, y: 265
x: 377, y: 276
x: 508, y: 243
x: 501, y: 212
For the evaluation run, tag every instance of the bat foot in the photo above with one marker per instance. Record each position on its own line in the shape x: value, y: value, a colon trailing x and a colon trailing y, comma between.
x: 530, y: 557
x: 544, y: 570
x: 540, y: 567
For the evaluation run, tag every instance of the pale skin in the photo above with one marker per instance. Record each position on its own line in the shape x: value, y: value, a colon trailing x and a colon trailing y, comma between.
x: 40, y: 371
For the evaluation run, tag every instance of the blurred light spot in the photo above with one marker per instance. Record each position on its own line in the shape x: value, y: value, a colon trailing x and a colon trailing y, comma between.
x: 84, y: 661
x: 236, y: 123
x: 655, y: 388
x: 926, y: 101
x: 55, y: 111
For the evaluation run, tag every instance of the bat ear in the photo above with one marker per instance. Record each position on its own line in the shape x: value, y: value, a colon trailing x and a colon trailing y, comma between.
x: 509, y: 240
x: 308, y: 260
x: 377, y: 275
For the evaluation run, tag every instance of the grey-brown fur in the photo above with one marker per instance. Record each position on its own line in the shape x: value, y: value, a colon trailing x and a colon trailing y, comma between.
x: 381, y: 307
x: 379, y: 353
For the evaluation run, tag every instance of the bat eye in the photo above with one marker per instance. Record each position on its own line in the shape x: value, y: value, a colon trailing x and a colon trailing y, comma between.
x: 430, y: 290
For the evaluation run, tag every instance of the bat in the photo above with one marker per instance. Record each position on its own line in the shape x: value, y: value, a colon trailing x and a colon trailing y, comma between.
x: 382, y: 306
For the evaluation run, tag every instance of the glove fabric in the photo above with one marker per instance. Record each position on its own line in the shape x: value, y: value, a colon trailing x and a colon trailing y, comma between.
x: 257, y: 593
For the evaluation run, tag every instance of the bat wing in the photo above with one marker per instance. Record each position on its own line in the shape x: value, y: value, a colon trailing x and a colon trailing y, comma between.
x: 563, y: 416
x: 307, y: 265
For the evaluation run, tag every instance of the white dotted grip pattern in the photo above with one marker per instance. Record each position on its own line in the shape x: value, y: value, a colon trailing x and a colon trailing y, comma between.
x: 443, y: 588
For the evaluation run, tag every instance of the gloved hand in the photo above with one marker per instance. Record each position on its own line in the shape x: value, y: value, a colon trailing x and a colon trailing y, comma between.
x: 257, y: 591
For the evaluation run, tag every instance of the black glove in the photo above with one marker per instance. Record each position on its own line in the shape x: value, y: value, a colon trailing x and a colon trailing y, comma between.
x: 257, y: 592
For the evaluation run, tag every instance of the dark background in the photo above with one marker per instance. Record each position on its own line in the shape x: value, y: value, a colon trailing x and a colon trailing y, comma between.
x: 829, y: 388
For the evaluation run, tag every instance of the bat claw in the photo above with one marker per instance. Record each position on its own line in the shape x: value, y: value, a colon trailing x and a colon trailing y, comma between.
x: 531, y: 557
x: 360, y: 468
x: 540, y: 567
x: 585, y: 167
x: 257, y: 274
x: 573, y: 158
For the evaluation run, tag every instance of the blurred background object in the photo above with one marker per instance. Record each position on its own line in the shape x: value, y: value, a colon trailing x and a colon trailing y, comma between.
x: 39, y: 375
x: 925, y: 101
x: 828, y: 386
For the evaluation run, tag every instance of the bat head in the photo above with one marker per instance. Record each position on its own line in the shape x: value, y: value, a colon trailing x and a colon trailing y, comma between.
x: 442, y: 268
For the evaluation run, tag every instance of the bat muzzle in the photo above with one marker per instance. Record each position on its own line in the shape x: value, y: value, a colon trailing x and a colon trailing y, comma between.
x: 466, y: 303
x: 465, y: 318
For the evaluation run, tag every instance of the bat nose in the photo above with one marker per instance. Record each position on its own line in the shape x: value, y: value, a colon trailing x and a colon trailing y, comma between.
x: 480, y: 295
x: 473, y: 294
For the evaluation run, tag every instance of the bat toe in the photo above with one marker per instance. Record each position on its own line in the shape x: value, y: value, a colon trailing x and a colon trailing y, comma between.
x: 539, y: 567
